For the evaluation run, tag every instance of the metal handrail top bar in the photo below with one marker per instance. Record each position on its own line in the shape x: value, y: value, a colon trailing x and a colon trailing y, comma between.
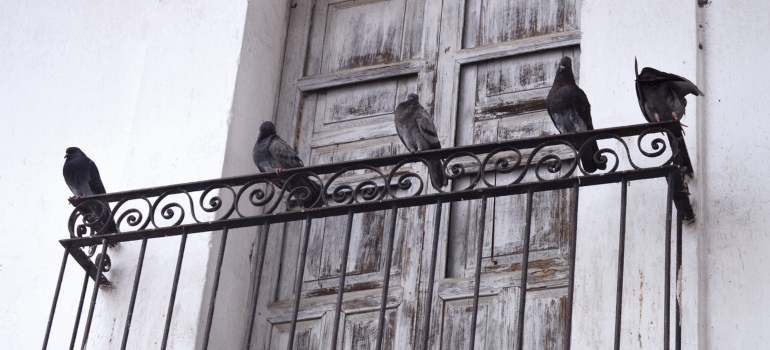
x: 673, y: 126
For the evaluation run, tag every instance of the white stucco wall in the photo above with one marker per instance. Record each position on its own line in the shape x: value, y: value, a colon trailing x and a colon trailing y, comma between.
x: 661, y: 34
x: 735, y: 212
x: 724, y: 279
x: 147, y: 90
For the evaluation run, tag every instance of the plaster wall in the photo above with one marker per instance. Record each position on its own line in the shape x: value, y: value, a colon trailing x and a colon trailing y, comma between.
x: 734, y: 207
x: 148, y: 90
x: 719, y: 46
x: 661, y: 34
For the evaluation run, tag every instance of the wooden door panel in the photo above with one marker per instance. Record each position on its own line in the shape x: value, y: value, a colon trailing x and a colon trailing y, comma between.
x: 360, y: 330
x: 504, y: 55
x: 360, y: 35
x: 496, y: 326
x: 509, y: 103
x: 489, y: 22
x: 348, y: 64
x: 518, y: 84
x: 356, y: 112
x: 353, y: 34
x: 308, y: 335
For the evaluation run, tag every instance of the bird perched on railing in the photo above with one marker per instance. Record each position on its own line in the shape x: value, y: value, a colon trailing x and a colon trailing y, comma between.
x: 570, y: 111
x: 82, y: 177
x: 661, y: 95
x: 417, y: 132
x: 272, y: 154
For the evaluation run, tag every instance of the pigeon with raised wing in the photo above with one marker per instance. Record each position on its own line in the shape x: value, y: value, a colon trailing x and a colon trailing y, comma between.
x: 661, y: 95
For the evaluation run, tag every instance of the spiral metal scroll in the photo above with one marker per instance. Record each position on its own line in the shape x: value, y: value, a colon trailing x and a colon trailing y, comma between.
x: 89, y: 218
x: 404, y: 181
x: 362, y: 182
x: 367, y: 190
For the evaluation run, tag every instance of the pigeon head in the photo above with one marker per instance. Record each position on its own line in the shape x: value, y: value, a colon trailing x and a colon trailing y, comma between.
x: 413, y: 98
x: 71, y: 151
x: 267, y: 128
x: 564, y: 71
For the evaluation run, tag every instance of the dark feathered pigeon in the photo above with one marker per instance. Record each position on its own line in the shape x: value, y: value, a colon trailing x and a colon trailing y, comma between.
x: 661, y: 95
x: 570, y: 111
x: 273, y: 154
x: 417, y: 132
x: 82, y: 177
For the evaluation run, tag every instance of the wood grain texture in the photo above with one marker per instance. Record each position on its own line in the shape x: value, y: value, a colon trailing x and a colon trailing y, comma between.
x: 482, y: 69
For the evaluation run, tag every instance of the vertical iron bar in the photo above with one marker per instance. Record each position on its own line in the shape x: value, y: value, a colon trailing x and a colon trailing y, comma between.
x: 257, y: 283
x: 667, y: 277
x: 55, y: 298
x: 80, y: 311
x: 341, y: 290
x: 94, y: 294
x: 572, y: 255
x: 215, y: 287
x: 134, y: 289
x: 477, y: 281
x: 386, y: 276
x: 524, y: 268
x: 298, y: 282
x: 678, y: 340
x: 434, y: 252
x: 172, y: 298
x: 621, y: 259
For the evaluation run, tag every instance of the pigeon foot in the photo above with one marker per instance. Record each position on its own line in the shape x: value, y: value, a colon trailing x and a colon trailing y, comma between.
x: 657, y: 117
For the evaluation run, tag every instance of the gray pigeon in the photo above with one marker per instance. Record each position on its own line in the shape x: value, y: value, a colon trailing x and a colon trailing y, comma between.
x: 661, y: 95
x: 417, y: 132
x: 273, y: 154
x: 570, y: 111
x: 82, y: 177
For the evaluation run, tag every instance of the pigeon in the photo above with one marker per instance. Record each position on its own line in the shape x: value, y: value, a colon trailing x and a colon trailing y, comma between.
x: 661, y: 95
x: 272, y: 154
x: 417, y: 132
x: 570, y: 111
x: 82, y: 177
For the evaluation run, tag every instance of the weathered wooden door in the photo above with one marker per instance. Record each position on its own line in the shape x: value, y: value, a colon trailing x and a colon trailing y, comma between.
x: 482, y: 68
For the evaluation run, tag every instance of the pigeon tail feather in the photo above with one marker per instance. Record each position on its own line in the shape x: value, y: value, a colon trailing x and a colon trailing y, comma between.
x: 587, y: 158
x: 437, y: 177
x: 307, y: 186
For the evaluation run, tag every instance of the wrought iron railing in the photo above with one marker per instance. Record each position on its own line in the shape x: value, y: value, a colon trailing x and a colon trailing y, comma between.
x: 387, y: 183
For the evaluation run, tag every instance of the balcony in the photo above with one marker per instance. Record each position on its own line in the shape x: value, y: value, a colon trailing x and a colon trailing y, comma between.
x: 534, y: 165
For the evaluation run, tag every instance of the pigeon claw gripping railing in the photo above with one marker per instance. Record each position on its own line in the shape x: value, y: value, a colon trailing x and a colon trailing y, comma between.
x: 385, y: 183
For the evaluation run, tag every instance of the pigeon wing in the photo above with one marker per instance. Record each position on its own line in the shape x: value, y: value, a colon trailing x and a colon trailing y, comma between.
x: 284, y: 155
x: 427, y: 129
x: 583, y: 108
x: 640, y: 94
x: 95, y: 181
x: 399, y: 119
